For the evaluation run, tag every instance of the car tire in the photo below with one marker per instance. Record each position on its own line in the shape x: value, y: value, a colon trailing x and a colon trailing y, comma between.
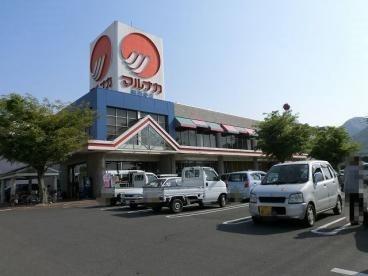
x: 222, y: 201
x: 133, y: 206
x: 338, y: 208
x: 201, y: 204
x: 310, y: 215
x: 256, y: 220
x: 365, y: 218
x: 176, y: 205
x: 156, y: 209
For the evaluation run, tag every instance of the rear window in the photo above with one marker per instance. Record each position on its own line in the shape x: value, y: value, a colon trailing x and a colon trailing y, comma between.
x: 138, y: 177
x: 192, y: 173
x: 256, y: 176
x: 238, y: 177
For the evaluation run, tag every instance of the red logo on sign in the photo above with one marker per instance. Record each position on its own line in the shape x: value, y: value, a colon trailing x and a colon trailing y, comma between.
x: 100, y: 58
x: 140, y: 55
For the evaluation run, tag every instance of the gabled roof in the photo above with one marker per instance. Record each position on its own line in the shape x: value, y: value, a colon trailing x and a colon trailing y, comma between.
x: 149, y: 121
x: 27, y: 171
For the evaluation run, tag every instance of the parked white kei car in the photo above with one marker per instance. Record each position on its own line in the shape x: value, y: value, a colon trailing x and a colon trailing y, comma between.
x: 298, y: 190
x: 240, y: 183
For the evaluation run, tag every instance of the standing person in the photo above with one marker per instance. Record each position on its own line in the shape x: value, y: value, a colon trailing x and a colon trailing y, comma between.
x: 351, y: 187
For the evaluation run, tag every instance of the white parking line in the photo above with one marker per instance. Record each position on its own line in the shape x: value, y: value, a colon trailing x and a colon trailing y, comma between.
x: 238, y: 221
x: 114, y: 208
x: 330, y: 233
x: 4, y: 210
x: 140, y: 211
x: 347, y: 272
x: 208, y: 211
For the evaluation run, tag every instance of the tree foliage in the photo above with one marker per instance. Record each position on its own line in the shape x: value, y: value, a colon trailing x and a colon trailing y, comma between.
x: 281, y: 135
x: 41, y: 133
x: 332, y: 144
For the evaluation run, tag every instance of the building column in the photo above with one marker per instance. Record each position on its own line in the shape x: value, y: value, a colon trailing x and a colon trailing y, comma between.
x: 173, y: 164
x: 63, y: 176
x: 95, y: 171
x: 13, y: 187
x: 54, y: 187
x: 167, y: 164
x: 2, y: 191
x: 30, y: 185
x: 255, y: 164
x: 221, y: 165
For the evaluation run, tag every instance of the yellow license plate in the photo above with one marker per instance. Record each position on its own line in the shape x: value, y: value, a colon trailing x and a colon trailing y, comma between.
x: 265, y: 211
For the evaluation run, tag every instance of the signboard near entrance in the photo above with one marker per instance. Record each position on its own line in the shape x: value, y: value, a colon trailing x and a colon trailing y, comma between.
x: 126, y: 59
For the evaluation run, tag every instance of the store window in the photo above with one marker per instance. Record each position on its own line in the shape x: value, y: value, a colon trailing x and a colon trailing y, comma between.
x: 236, y: 141
x: 160, y: 119
x: 119, y: 120
x: 196, y: 138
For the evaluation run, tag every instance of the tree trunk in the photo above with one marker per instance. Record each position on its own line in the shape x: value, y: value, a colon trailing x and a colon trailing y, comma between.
x: 43, y: 193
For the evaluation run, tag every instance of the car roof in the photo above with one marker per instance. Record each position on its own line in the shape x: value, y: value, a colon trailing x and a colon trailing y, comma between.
x: 250, y: 171
x: 306, y: 162
x: 171, y: 177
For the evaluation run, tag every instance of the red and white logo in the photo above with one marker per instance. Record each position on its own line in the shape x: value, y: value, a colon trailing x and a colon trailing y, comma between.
x: 140, y: 55
x: 100, y: 58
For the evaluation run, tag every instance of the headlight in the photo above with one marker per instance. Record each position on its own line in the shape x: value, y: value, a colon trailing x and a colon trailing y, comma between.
x: 253, y: 198
x: 296, y: 198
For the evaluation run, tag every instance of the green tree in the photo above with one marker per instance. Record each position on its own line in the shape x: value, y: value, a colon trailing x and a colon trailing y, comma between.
x: 281, y: 135
x: 332, y: 144
x: 41, y: 133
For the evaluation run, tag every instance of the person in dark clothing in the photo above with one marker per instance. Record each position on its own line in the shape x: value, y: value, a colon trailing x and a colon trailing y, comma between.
x: 354, y: 191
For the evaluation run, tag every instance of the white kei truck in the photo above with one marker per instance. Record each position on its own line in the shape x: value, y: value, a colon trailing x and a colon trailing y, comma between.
x: 200, y: 185
x: 125, y: 187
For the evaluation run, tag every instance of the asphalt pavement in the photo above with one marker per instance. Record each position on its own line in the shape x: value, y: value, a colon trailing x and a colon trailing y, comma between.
x: 99, y: 240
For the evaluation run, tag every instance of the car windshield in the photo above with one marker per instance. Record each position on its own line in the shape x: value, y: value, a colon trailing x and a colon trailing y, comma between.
x: 287, y: 174
x: 156, y: 183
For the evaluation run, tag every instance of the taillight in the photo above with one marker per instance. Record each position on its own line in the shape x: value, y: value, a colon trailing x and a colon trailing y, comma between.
x: 246, y: 184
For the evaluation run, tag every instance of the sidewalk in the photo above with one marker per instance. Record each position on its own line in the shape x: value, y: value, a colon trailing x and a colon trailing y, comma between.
x: 61, y: 204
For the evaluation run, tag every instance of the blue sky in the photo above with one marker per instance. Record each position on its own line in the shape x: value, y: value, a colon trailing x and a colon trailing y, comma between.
x: 240, y: 57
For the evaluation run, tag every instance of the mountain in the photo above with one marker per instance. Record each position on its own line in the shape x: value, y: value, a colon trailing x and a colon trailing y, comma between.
x: 362, y: 138
x: 357, y: 128
x: 355, y: 125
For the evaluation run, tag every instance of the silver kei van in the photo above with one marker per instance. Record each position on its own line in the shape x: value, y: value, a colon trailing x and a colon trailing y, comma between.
x: 297, y: 190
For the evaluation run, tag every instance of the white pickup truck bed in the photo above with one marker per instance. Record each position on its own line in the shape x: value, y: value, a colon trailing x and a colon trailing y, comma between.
x: 199, y: 185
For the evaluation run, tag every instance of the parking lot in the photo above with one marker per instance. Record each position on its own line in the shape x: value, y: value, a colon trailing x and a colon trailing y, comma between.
x: 99, y: 240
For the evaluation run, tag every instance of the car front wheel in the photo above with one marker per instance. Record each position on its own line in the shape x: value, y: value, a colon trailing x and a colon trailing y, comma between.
x: 338, y: 208
x: 222, y: 200
x: 310, y: 215
x: 133, y: 206
x: 256, y: 220
x: 365, y: 218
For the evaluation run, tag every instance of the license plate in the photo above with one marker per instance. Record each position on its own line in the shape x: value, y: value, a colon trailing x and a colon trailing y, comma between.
x: 265, y: 211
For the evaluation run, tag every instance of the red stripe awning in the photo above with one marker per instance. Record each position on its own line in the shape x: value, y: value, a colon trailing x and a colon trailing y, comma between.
x: 215, y: 127
x: 185, y: 123
x: 248, y: 131
x: 200, y: 123
x: 230, y: 129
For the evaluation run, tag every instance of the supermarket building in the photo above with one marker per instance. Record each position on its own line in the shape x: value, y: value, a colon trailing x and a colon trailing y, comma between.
x: 136, y: 128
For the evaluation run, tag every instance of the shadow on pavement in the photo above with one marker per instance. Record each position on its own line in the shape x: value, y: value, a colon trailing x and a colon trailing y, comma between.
x: 145, y: 212
x: 360, y: 235
x: 269, y: 226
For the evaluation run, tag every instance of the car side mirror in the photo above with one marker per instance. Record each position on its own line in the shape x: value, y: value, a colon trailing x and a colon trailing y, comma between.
x: 317, y: 177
